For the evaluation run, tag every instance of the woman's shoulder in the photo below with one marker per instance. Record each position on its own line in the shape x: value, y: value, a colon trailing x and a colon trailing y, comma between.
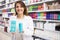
x: 28, y: 17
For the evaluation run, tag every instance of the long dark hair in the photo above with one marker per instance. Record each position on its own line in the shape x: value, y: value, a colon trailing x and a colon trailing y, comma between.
x: 22, y: 5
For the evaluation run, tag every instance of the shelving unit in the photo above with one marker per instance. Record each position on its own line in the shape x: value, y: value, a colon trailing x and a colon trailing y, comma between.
x: 40, y: 6
x: 45, y: 10
x: 41, y: 2
x: 41, y: 31
x: 57, y: 21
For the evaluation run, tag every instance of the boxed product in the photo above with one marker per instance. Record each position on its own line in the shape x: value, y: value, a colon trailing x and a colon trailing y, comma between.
x: 49, y: 26
x: 52, y: 6
x: 57, y: 5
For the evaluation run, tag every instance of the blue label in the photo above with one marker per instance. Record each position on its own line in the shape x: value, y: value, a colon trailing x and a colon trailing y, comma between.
x: 20, y: 27
x: 13, y: 26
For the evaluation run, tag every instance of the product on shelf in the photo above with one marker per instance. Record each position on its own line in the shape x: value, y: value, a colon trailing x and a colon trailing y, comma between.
x: 58, y: 16
x: 4, y: 10
x: 57, y: 4
x: 41, y: 16
x: 1, y: 17
x: 13, y: 4
x: 40, y: 7
x: 45, y: 15
x: 8, y: 10
x: 49, y: 26
x: 34, y: 15
x: 35, y: 8
x: 10, y: 5
x: 27, y: 1
x: 5, y: 15
x: 1, y: 21
x: 30, y: 8
x: 34, y: 23
x: 7, y: 1
x: 13, y: 10
x: 3, y: 2
x: 53, y: 6
x: 51, y: 16
x: 38, y: 15
x: 0, y: 11
x: 3, y: 6
x: 55, y: 16
x: 5, y: 29
x: 39, y: 25
x: 10, y: 14
x: 32, y: 1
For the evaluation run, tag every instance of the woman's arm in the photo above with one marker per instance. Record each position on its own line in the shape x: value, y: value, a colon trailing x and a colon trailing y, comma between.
x: 30, y: 26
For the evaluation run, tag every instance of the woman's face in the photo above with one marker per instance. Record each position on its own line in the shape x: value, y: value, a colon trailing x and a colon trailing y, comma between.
x: 19, y: 9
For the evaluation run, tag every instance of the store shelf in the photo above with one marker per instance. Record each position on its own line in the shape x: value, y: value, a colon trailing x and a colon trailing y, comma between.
x: 7, y: 8
x: 39, y: 28
x: 52, y: 10
x: 10, y: 2
x: 34, y: 3
x: 38, y: 3
x: 45, y: 10
x: 47, y: 34
x: 56, y: 21
x: 8, y: 12
x: 2, y: 4
x: 39, y: 20
x: 36, y: 11
x: 1, y: 0
x: 49, y: 1
x: 5, y: 17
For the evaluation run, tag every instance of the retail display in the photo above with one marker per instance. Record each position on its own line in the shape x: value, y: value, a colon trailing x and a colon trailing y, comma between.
x: 53, y: 5
x: 35, y: 7
x: 45, y: 14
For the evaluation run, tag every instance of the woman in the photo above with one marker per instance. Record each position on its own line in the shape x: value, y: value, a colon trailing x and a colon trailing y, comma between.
x: 26, y: 22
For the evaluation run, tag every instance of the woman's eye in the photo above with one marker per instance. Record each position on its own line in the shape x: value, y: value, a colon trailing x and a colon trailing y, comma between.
x: 17, y: 6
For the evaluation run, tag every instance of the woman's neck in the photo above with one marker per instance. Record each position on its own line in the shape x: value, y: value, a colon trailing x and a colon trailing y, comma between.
x: 20, y: 16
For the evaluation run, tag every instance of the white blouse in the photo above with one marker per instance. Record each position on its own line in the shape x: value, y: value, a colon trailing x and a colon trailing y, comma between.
x: 27, y: 22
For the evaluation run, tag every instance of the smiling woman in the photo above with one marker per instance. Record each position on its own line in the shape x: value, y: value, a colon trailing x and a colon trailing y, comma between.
x: 20, y: 5
x: 23, y: 29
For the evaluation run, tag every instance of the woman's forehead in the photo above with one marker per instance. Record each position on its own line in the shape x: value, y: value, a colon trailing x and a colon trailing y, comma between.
x: 18, y: 4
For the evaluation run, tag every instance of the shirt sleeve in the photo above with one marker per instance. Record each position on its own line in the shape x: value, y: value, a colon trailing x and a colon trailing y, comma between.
x: 30, y: 25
